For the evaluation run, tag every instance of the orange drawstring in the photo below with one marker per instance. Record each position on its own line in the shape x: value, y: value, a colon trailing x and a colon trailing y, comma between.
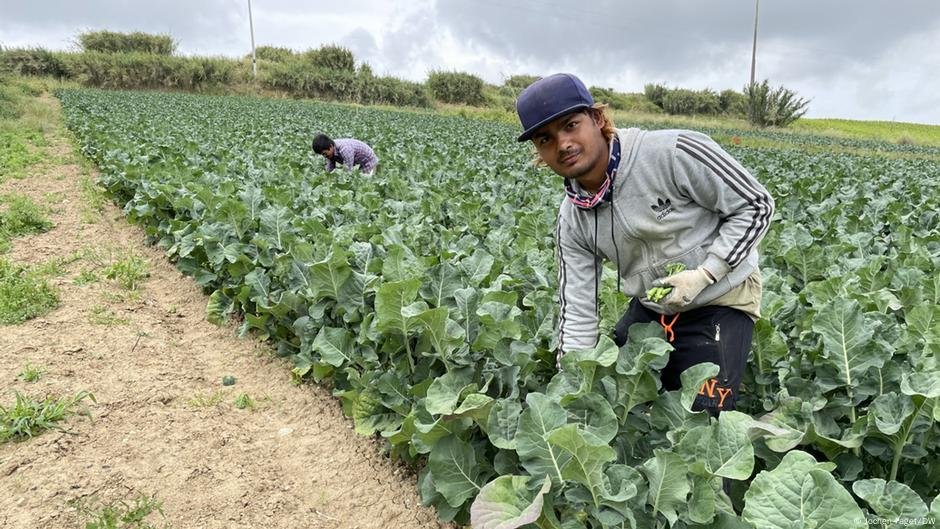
x: 667, y: 328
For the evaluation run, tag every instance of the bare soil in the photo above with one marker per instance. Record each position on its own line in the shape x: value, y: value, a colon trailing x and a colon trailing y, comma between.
x: 163, y: 423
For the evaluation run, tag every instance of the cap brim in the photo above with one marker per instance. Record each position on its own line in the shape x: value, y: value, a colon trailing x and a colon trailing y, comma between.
x: 527, y: 135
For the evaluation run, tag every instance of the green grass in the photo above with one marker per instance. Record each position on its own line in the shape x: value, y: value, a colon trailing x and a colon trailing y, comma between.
x: 19, y: 215
x: 24, y: 122
x: 104, y: 316
x: 24, y: 294
x: 203, y: 400
x: 93, y: 199
x: 86, y: 277
x: 120, y: 514
x: 28, y: 417
x: 244, y: 402
x: 30, y: 373
x: 890, y: 131
x: 128, y: 271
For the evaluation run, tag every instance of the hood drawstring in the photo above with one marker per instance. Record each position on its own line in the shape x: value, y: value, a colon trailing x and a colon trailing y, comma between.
x: 587, y: 202
x: 613, y: 212
x: 597, y: 275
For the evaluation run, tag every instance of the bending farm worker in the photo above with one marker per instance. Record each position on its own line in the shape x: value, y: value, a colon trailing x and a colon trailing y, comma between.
x: 347, y: 152
x: 648, y: 201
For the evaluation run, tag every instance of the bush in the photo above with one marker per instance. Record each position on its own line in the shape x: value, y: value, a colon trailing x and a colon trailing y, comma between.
x: 273, y: 54
x: 776, y: 107
x: 520, y: 82
x: 655, y: 93
x: 456, y: 87
x: 732, y: 103
x: 146, y: 70
x: 300, y: 79
x: 33, y: 61
x: 137, y: 42
x: 331, y: 58
x: 691, y: 102
x: 622, y: 101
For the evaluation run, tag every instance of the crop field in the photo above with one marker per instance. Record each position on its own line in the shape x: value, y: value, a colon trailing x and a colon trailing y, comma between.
x: 423, y: 297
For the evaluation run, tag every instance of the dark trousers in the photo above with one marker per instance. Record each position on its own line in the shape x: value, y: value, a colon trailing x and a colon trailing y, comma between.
x: 720, y: 335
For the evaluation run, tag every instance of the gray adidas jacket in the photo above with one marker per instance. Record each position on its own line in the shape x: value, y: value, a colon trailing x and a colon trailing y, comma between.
x: 677, y: 197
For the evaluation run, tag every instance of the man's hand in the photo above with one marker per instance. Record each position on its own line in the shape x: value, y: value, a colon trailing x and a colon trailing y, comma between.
x: 685, y: 287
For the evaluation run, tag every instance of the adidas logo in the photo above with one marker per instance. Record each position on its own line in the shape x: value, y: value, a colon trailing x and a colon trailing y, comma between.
x: 662, y: 208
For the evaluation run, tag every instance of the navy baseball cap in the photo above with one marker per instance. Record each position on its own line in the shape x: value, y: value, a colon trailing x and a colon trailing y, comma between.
x: 548, y: 99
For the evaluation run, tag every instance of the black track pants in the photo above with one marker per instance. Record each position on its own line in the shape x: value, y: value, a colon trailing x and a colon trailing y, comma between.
x: 720, y: 335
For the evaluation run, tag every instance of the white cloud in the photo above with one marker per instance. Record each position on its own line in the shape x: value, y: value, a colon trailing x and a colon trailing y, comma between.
x: 864, y: 60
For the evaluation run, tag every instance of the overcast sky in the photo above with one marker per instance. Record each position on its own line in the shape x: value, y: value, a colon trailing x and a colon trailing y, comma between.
x: 865, y: 59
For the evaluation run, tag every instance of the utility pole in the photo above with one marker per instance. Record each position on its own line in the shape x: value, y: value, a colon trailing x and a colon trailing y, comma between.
x: 754, y: 49
x: 254, y: 60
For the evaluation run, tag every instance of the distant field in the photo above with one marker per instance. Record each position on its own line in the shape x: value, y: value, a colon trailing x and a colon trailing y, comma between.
x: 891, y: 131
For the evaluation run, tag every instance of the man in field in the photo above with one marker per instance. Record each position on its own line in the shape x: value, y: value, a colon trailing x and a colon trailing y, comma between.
x: 347, y: 152
x: 644, y: 200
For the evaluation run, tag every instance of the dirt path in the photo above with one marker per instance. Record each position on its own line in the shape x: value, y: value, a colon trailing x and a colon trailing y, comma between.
x: 164, y: 424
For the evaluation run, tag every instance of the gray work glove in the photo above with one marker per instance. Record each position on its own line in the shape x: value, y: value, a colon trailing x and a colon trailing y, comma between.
x: 686, y: 286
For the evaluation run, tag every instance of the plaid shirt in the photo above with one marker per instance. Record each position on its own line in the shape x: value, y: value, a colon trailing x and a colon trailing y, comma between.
x: 351, y: 152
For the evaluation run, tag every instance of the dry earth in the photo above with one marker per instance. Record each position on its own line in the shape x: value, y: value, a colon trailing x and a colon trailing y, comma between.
x: 163, y: 423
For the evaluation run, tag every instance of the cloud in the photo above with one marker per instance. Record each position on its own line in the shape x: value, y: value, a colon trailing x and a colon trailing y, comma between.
x: 859, y: 59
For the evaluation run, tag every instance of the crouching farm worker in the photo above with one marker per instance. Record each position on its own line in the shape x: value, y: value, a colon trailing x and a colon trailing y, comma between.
x: 347, y: 152
x: 645, y: 201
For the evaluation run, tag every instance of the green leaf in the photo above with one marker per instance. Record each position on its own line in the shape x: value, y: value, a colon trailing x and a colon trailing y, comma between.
x: 702, y: 502
x: 722, y: 449
x: 275, y: 226
x: 588, y: 361
x: 926, y: 384
x: 893, y: 502
x: 594, y: 415
x: 890, y: 411
x: 646, y: 350
x: 769, y: 347
x: 370, y: 415
x: 507, y: 503
x: 467, y: 300
x: 445, y: 334
x: 401, y: 265
x: 847, y: 340
x: 588, y: 455
x: 260, y: 285
x: 503, y: 423
x: 444, y: 393
x: 477, y: 267
x: 391, y: 300
x: 669, y: 485
x: 442, y: 281
x: 476, y: 406
x: 799, y: 492
x: 793, y: 416
x: 457, y: 476
x: 219, y: 307
x: 328, y: 277
x: 335, y: 345
x: 537, y: 422
x: 924, y: 322
x: 497, y: 322
x: 692, y: 380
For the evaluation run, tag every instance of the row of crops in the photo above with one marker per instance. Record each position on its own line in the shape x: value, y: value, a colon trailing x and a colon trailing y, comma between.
x: 424, y: 297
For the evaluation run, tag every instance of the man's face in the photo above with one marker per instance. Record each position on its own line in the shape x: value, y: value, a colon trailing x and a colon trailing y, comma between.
x: 329, y: 152
x: 572, y: 145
